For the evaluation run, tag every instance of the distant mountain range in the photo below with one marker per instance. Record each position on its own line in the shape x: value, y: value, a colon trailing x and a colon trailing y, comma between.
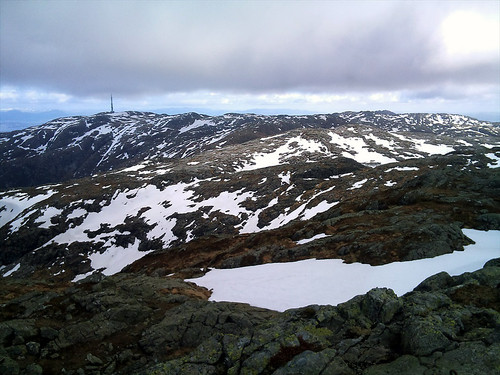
x: 12, y: 120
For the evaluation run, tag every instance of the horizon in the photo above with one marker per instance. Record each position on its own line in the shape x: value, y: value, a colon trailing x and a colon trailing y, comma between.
x: 12, y: 120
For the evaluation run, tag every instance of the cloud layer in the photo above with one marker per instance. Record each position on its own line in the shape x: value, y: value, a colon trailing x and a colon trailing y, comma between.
x: 148, y: 48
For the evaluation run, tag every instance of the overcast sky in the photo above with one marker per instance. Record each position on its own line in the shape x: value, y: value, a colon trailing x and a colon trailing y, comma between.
x: 303, y: 56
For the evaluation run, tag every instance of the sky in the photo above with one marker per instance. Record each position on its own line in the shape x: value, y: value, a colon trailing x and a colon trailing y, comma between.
x: 235, y: 56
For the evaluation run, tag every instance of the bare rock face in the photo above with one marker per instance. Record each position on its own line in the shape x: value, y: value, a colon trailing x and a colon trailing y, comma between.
x: 129, y: 324
x: 377, y: 333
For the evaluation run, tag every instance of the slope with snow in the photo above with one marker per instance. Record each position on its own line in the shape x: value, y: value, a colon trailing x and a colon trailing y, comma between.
x: 75, y: 147
x: 242, y: 183
x: 281, y: 286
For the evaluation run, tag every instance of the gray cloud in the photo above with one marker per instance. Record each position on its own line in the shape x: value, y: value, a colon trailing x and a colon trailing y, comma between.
x: 135, y: 48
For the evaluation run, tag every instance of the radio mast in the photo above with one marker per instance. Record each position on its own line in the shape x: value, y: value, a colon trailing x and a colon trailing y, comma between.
x: 112, y: 104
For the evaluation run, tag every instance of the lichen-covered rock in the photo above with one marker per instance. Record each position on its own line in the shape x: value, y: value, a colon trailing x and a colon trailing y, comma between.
x: 435, y: 282
x: 307, y: 363
x: 404, y: 365
x: 448, y: 323
x: 423, y: 336
x: 381, y: 304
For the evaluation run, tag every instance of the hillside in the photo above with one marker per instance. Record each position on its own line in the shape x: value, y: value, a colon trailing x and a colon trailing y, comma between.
x: 75, y: 147
x: 104, y: 218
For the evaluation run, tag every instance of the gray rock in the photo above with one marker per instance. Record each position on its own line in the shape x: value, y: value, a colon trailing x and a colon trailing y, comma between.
x: 404, y: 365
x: 94, y: 360
x: 33, y: 369
x: 338, y: 367
x: 307, y: 363
x: 48, y: 333
x: 421, y: 304
x: 493, y: 263
x: 423, y: 336
x: 8, y: 366
x: 381, y: 304
x: 33, y: 348
x: 436, y: 282
x: 208, y: 352
x: 472, y: 358
x: 17, y: 329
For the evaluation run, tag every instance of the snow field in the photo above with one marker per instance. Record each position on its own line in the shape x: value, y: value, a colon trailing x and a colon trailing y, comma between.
x: 281, y: 286
x: 295, y: 146
x: 357, y: 149
x: 14, y: 207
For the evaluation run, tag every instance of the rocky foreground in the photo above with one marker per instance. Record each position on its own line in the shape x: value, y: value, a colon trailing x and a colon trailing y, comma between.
x: 137, y: 324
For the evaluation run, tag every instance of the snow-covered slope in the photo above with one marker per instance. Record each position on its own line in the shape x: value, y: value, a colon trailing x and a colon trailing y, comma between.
x: 282, y: 286
x: 76, y: 147
x: 188, y: 177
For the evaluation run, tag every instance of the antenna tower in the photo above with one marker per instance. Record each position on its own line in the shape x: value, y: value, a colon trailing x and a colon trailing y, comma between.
x: 112, y: 104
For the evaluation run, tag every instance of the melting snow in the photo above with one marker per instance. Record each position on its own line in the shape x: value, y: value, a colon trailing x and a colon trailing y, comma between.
x: 285, y: 177
x: 48, y: 213
x: 115, y: 258
x: 358, y: 185
x: 11, y: 207
x: 293, y: 147
x: 402, y: 169
x: 316, y: 237
x: 195, y: 124
x: 133, y: 168
x: 496, y: 160
x: 427, y: 148
x: 11, y: 271
x: 357, y: 149
x: 281, y: 286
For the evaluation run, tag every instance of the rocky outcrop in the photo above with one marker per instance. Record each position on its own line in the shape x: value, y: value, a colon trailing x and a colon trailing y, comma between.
x: 133, y: 324
x: 446, y: 325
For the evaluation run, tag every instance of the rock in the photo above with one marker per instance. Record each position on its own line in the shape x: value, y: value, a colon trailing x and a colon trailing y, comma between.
x: 307, y: 363
x: 93, y: 360
x: 33, y: 369
x: 448, y: 323
x: 488, y: 221
x: 17, y: 331
x: 492, y: 263
x: 33, y: 348
x: 381, y: 304
x: 404, y: 365
x: 8, y: 366
x: 208, y: 352
x: 338, y: 367
x: 421, y: 304
x: 436, y: 282
x: 471, y: 358
x: 423, y: 336
x: 48, y: 333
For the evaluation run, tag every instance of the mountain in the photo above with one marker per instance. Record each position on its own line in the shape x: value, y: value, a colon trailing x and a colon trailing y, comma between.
x: 103, y: 218
x: 75, y: 147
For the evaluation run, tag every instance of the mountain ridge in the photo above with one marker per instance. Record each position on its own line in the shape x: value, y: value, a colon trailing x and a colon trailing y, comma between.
x: 80, y: 146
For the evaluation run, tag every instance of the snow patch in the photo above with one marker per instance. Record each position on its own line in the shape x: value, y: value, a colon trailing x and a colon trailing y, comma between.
x: 313, y: 238
x: 281, y: 286
x: 48, y: 214
x: 11, y: 271
x: 496, y: 160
